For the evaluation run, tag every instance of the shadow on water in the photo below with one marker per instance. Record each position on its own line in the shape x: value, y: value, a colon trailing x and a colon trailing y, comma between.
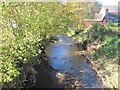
x: 63, y: 58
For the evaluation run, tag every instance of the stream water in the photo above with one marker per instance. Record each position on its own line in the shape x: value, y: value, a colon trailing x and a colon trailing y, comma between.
x: 63, y: 58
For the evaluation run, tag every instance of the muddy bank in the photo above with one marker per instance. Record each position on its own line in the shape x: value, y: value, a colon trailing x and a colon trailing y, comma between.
x: 46, y: 76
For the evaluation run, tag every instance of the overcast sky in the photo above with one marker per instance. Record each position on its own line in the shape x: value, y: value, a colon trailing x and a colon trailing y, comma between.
x: 109, y: 2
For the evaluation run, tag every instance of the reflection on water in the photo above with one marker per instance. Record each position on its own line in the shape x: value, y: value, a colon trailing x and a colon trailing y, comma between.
x: 62, y: 58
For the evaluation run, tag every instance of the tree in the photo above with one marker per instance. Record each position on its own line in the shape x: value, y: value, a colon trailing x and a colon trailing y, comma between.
x: 91, y: 9
x: 75, y: 11
x: 25, y: 28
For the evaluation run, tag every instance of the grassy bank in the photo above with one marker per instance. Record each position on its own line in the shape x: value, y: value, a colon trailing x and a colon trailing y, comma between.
x: 100, y: 44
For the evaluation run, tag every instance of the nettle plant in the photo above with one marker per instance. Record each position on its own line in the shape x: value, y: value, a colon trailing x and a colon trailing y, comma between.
x: 25, y: 28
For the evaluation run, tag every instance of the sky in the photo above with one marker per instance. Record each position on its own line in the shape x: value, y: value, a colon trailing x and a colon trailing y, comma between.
x: 109, y: 2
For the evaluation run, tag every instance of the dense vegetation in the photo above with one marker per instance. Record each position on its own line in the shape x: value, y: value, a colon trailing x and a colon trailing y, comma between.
x: 107, y: 36
x: 91, y: 9
x: 26, y: 28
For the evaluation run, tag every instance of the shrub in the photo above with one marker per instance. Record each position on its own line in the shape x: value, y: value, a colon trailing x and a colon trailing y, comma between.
x: 97, y: 32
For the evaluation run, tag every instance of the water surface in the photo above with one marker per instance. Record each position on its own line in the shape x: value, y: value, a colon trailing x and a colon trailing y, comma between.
x: 63, y: 58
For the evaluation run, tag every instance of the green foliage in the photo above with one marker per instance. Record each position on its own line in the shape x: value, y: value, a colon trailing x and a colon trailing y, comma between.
x: 96, y: 32
x: 99, y: 59
x: 110, y: 46
x: 75, y: 11
x: 91, y: 9
x: 109, y: 24
x: 92, y: 52
x: 70, y: 32
x: 26, y: 27
x: 107, y: 37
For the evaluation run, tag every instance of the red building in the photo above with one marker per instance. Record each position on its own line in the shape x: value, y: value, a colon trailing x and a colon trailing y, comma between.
x: 106, y: 14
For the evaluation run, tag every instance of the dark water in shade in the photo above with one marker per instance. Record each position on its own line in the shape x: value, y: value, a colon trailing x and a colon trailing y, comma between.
x: 63, y: 58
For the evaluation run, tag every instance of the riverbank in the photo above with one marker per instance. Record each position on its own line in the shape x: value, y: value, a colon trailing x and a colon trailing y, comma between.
x: 100, y: 47
x: 102, y: 70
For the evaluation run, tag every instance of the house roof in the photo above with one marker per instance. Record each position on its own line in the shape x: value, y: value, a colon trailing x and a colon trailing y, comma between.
x: 112, y: 9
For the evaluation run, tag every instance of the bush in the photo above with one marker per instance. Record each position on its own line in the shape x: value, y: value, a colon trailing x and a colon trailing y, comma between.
x: 97, y: 32
x: 109, y: 24
x: 107, y: 37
